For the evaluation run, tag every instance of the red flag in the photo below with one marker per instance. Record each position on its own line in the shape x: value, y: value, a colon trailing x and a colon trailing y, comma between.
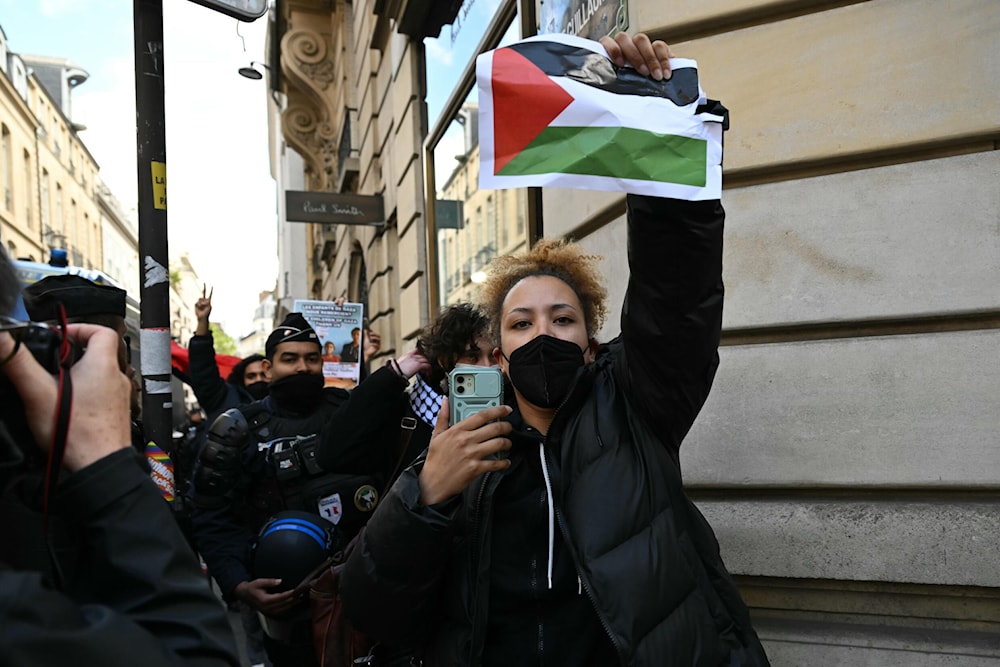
x: 179, y: 361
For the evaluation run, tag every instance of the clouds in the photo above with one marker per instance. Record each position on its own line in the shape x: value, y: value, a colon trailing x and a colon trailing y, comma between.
x: 438, y: 53
x: 51, y: 8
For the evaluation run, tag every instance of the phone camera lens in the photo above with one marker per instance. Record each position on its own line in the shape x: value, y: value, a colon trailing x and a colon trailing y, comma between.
x: 460, y: 379
x: 460, y: 389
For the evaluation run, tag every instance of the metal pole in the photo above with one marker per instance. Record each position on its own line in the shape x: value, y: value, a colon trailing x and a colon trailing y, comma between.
x: 151, y: 165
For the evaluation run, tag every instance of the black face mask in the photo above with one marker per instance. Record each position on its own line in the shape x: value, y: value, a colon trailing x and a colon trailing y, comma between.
x: 543, y: 370
x: 257, y: 389
x: 299, y: 392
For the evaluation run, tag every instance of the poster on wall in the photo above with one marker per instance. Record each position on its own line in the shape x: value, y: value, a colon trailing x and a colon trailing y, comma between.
x: 339, y: 332
x: 591, y: 19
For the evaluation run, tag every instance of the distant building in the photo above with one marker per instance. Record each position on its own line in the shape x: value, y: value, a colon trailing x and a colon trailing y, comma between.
x: 263, y: 324
x: 120, y: 237
x: 50, y: 192
x: 185, y: 290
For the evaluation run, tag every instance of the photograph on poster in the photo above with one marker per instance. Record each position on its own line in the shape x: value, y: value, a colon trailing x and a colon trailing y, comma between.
x: 339, y: 331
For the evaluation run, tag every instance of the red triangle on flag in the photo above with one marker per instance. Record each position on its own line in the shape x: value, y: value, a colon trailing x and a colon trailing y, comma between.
x: 525, y: 101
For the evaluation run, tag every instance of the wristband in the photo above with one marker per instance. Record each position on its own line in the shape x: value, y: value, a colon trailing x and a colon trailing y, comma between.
x: 393, y: 365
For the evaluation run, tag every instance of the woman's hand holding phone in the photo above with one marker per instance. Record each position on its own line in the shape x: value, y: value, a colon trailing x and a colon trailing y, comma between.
x: 460, y: 453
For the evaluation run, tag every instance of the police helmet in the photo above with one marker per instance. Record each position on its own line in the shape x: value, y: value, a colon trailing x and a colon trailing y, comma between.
x: 290, y: 546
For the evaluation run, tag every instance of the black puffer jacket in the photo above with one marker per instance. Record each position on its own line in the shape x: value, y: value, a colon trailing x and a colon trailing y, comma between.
x: 647, y: 562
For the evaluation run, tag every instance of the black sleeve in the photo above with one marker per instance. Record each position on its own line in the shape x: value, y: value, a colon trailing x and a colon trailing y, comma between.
x: 224, y: 542
x: 672, y: 315
x: 358, y: 437
x: 207, y: 383
x: 221, y: 535
x: 392, y: 593
x: 147, y: 601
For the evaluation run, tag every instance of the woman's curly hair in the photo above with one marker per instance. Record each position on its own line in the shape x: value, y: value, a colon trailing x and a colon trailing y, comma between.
x: 559, y: 258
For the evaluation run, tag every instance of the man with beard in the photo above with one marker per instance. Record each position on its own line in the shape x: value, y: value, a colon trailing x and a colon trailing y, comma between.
x: 260, y: 460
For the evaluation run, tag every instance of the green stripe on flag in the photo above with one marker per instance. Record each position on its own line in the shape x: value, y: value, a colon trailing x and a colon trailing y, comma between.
x: 617, y: 152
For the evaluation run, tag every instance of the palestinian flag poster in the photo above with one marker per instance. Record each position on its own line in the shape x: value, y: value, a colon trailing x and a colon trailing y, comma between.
x: 554, y: 111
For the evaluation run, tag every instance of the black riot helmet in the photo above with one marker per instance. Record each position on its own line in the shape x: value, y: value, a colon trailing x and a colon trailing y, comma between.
x: 290, y: 546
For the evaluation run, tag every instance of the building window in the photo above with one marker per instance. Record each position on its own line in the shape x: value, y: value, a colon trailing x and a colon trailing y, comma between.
x: 73, y: 236
x: 488, y: 216
x: 491, y: 225
x: 44, y: 196
x: 88, y: 248
x: 7, y: 169
x: 27, y: 190
x: 60, y: 222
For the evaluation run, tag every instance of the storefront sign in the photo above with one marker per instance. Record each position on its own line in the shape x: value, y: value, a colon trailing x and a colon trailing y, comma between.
x: 334, y: 208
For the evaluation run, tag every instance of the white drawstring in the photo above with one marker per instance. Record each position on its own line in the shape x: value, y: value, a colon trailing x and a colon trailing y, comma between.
x: 552, y: 523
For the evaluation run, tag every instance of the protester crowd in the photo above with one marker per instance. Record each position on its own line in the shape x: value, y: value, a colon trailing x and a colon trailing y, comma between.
x: 519, y: 535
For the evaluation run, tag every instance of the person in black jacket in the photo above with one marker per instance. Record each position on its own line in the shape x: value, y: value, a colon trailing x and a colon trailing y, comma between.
x: 247, y: 383
x: 261, y: 460
x: 141, y: 597
x: 579, y: 547
x: 349, y: 352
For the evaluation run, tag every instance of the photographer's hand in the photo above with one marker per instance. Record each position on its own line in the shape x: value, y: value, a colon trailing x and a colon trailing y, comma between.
x: 99, y: 416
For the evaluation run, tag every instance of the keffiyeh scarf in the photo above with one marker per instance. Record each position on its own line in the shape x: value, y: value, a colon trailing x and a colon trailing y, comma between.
x: 424, y: 401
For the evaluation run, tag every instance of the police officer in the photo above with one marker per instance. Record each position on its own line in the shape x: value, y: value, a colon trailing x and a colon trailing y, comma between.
x: 260, y: 460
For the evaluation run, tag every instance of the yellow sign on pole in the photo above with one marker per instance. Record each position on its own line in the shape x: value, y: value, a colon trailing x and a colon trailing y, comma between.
x: 159, y: 170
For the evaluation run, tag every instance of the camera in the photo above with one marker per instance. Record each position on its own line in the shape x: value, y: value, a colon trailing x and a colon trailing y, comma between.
x: 17, y: 444
x: 44, y: 342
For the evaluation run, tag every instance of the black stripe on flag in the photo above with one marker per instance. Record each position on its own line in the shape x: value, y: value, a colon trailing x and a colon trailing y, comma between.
x: 595, y: 70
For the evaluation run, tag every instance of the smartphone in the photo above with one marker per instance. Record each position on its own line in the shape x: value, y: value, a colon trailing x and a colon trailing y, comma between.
x: 473, y: 388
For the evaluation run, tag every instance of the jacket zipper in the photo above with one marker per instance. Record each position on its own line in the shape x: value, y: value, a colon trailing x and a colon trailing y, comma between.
x: 586, y: 588
x: 569, y: 545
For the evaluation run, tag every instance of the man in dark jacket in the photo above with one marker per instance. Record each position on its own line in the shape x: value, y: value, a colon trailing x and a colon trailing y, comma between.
x: 84, y: 301
x: 260, y: 460
x: 247, y: 383
x: 349, y: 352
x: 581, y: 547
x: 140, y: 597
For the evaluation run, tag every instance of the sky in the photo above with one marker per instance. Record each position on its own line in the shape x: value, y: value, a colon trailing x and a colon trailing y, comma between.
x: 221, y: 197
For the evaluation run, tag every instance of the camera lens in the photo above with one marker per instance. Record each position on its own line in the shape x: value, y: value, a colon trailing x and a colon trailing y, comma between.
x: 460, y: 379
x: 460, y: 389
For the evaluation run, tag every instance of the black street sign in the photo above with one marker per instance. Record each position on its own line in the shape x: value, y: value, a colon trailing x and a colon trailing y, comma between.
x: 334, y: 208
